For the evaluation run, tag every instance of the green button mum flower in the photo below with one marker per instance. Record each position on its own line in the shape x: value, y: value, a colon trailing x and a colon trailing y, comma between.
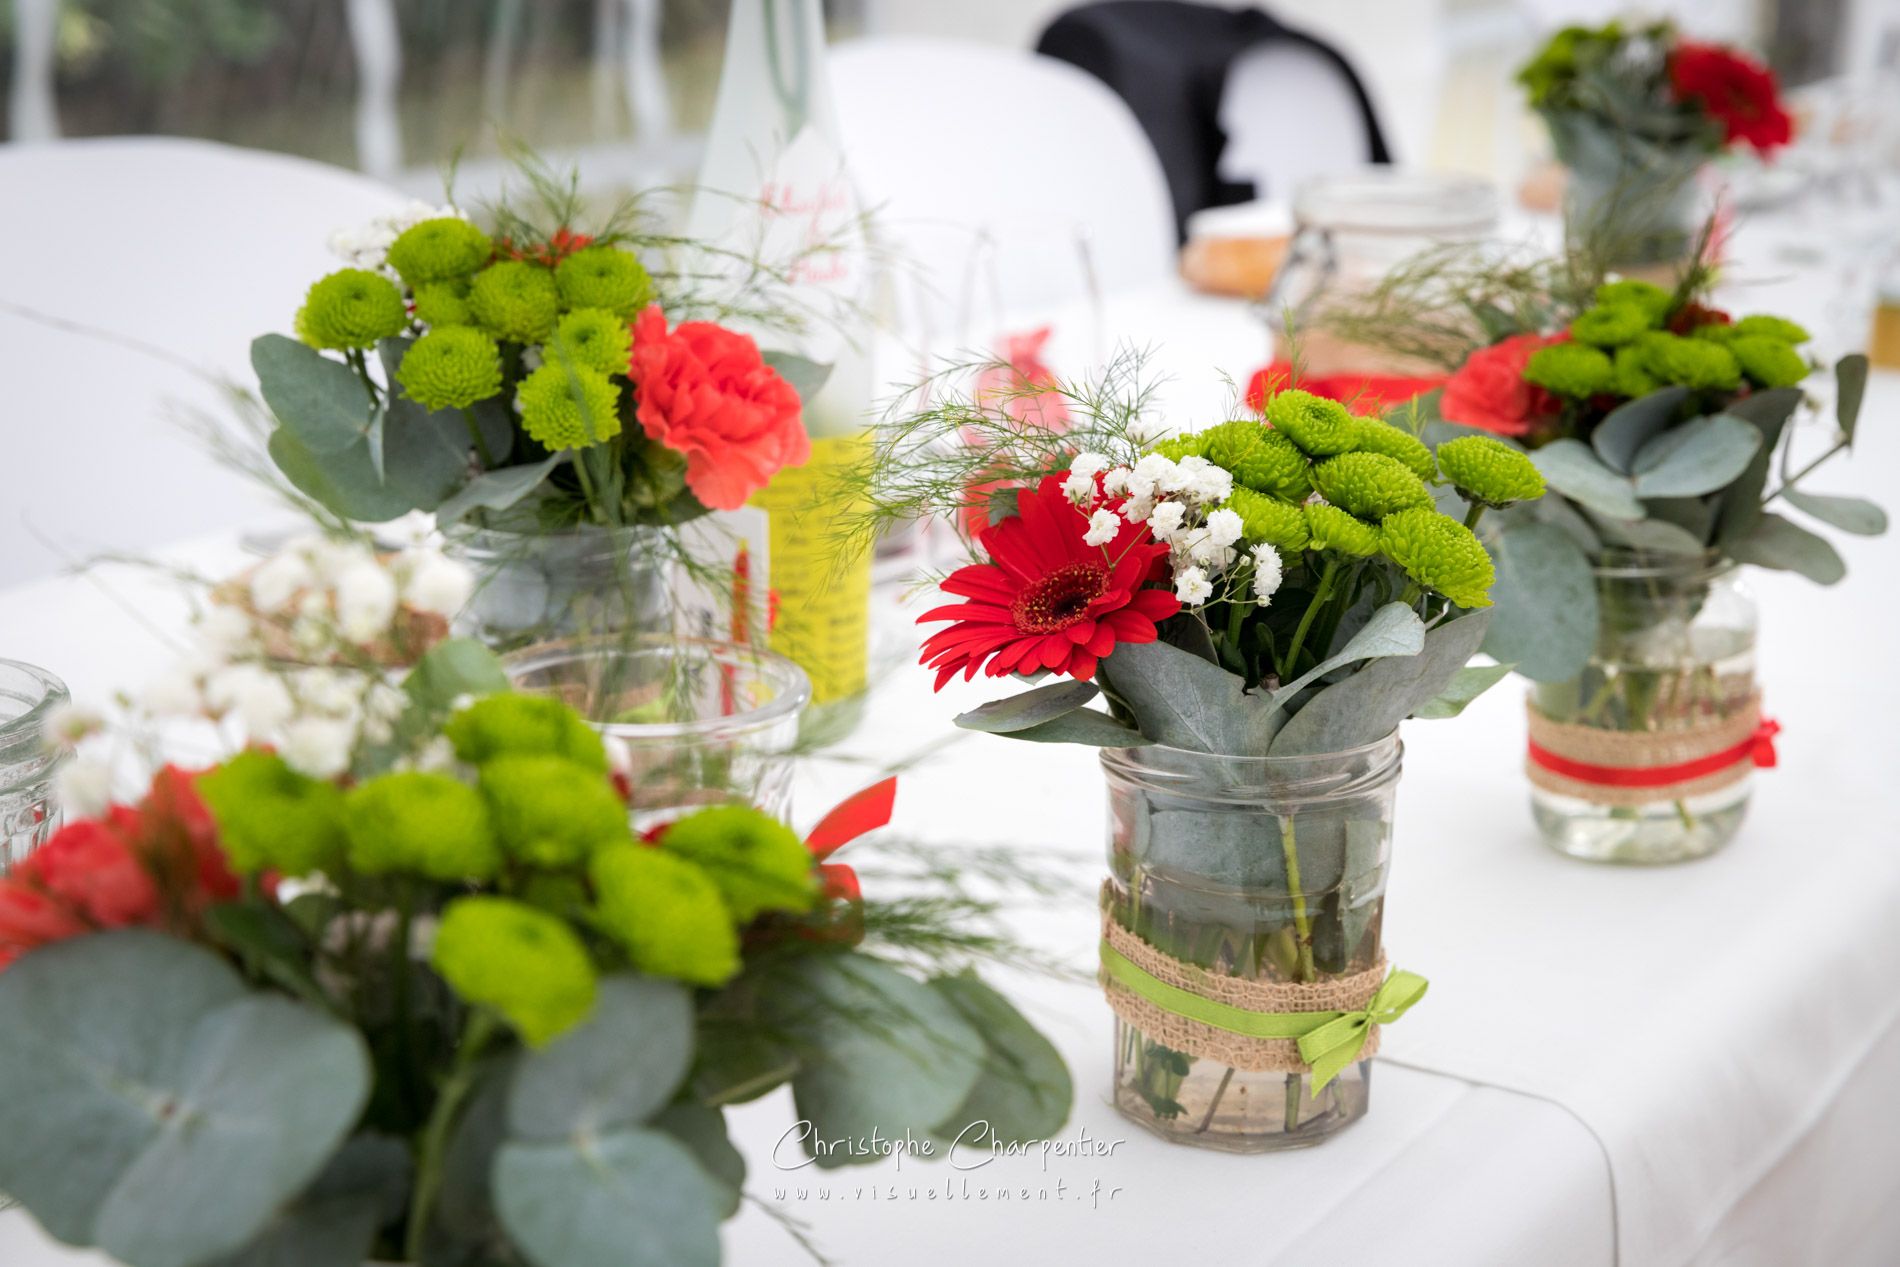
x: 1653, y: 300
x: 595, y: 338
x: 1378, y: 436
x: 1714, y: 332
x: 1632, y: 372
x: 758, y: 862
x: 1193, y: 444
x: 351, y: 308
x: 1320, y: 427
x: 526, y: 964
x: 1611, y: 325
x: 439, y: 250
x: 551, y: 811
x: 443, y: 304
x: 271, y: 817
x: 422, y: 824
x: 1439, y: 553
x: 1265, y: 518
x: 1773, y: 327
x: 524, y: 724
x: 604, y: 277
x: 667, y: 912
x: 1769, y: 361
x: 451, y: 368
x: 1334, y: 529
x: 1489, y: 472
x: 1570, y: 369
x: 1695, y: 363
x: 1258, y: 458
x: 515, y: 300
x: 1370, y: 485
x: 551, y: 414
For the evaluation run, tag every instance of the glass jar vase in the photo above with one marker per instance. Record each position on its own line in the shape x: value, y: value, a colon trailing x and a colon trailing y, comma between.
x: 29, y: 813
x: 1634, y: 203
x: 1266, y: 869
x: 1647, y: 756
x: 538, y: 587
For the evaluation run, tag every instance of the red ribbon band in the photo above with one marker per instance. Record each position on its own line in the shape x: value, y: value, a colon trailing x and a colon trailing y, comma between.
x: 1759, y: 746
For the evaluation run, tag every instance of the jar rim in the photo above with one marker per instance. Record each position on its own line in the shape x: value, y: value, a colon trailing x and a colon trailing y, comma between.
x: 791, y: 685
x: 1396, y: 201
x: 22, y: 734
x: 1286, y: 779
x: 1632, y: 563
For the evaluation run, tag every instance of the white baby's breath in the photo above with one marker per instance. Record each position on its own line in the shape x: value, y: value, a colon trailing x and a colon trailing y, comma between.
x: 1267, y: 572
x: 1166, y: 519
x: 83, y: 787
x: 69, y: 724
x: 365, y: 601
x: 1104, y: 524
x: 433, y: 582
x: 1224, y: 526
x: 1191, y: 586
x: 278, y: 580
x: 318, y: 746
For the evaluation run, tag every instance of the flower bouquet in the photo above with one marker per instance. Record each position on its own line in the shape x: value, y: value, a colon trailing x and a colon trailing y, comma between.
x: 1634, y: 113
x: 1259, y: 605
x: 456, y: 1012
x: 1657, y: 419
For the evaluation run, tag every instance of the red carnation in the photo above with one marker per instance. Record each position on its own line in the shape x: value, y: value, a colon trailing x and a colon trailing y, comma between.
x: 1049, y: 600
x: 1694, y: 316
x: 1736, y: 90
x: 704, y: 391
x: 1489, y: 390
x: 91, y: 869
x: 1362, y: 393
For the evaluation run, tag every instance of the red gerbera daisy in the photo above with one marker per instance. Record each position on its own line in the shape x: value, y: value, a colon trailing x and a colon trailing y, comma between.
x: 1048, y: 600
x: 1740, y: 93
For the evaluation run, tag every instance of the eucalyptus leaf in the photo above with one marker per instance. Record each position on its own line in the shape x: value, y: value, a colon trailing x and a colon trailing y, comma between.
x: 334, y: 1222
x: 1368, y: 705
x: 1850, y: 388
x: 1633, y: 424
x: 425, y: 457
x: 1694, y: 515
x: 1471, y: 681
x: 1573, y: 470
x: 1768, y: 412
x: 321, y: 401
x: 627, y: 1198
x: 617, y: 1068
x: 463, y: 1226
x: 1544, y: 603
x: 806, y: 376
x: 736, y: 1062
x: 703, y: 1130
x: 497, y: 490
x: 1559, y: 513
x: 1437, y: 431
x: 1850, y: 514
x: 1393, y: 630
x: 1658, y: 535
x: 1700, y: 456
x: 1084, y: 726
x: 1784, y: 546
x: 373, y: 443
x: 1031, y: 708
x: 1024, y: 1092
x: 1002, y: 505
x: 1182, y: 700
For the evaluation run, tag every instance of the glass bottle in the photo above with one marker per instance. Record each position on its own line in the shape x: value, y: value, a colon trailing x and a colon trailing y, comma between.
x: 28, y: 811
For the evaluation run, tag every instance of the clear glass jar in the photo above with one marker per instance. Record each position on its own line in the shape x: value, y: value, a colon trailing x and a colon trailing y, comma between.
x: 704, y: 723
x: 1264, y: 868
x: 1351, y: 231
x: 1633, y: 201
x: 28, y: 811
x: 536, y: 587
x: 1675, y: 657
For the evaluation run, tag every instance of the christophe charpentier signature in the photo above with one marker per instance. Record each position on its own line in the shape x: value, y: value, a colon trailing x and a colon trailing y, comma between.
x: 974, y: 1147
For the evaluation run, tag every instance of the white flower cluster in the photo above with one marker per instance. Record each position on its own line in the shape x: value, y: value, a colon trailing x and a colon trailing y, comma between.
x: 367, y: 246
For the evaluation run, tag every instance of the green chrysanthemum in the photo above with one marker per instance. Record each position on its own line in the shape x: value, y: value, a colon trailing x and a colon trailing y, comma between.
x: 515, y: 300
x: 439, y: 250
x: 1379, y: 436
x: 604, y: 277
x: 1570, y: 369
x: 1258, y: 458
x: 1769, y: 361
x: 424, y: 824
x: 667, y: 912
x: 503, y: 725
x: 1267, y: 518
x: 551, y: 414
x: 1192, y: 444
x: 595, y: 338
x: 1611, y: 325
x: 1320, y: 427
x: 440, y: 304
x: 1714, y: 332
x: 1439, y: 553
x: 1370, y: 485
x: 1773, y: 327
x: 451, y: 368
x: 758, y: 862
x: 1694, y: 363
x: 271, y: 817
x: 550, y: 811
x: 1632, y: 372
x: 1489, y: 471
x: 1653, y: 300
x: 351, y: 308
x: 526, y: 964
x: 1334, y: 529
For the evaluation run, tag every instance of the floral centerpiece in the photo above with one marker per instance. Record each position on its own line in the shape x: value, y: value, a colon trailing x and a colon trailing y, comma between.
x: 1258, y: 605
x: 1634, y: 112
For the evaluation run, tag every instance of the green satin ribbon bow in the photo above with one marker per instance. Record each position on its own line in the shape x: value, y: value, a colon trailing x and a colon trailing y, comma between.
x: 1329, y: 1041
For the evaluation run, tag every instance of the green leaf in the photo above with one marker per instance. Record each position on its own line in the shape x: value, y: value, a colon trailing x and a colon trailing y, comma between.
x: 1024, y: 1091
x: 737, y: 1062
x: 1084, y: 726
x: 1850, y: 382
x: 1768, y: 412
x: 1471, y: 681
x: 616, y: 1068
x: 1182, y: 700
x: 452, y: 668
x: 703, y: 1130
x: 1694, y: 515
x: 1031, y: 708
x: 1002, y: 505
x: 806, y: 376
x: 1659, y: 535
x: 1393, y: 630
x: 464, y: 1223
x: 1850, y: 514
x: 628, y: 1198
x: 497, y: 490
x: 1544, y: 603
x: 1779, y: 544
x: 1633, y: 424
x: 1573, y: 470
x: 1368, y: 705
x: 1698, y: 457
x: 156, y: 1109
x: 270, y: 944
x: 321, y: 401
x: 425, y: 461
x: 334, y: 1222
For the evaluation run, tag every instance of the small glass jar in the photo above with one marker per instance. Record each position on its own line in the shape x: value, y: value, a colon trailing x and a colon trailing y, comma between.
x: 29, y: 813
x: 1265, y: 868
x: 1633, y: 202
x: 1675, y: 658
x: 703, y: 723
x: 537, y: 587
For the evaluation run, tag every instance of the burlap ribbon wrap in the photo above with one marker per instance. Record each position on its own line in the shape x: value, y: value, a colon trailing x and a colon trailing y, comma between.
x: 1627, y: 768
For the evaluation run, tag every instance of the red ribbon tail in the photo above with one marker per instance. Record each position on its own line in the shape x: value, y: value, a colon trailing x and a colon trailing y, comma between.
x: 1764, y: 743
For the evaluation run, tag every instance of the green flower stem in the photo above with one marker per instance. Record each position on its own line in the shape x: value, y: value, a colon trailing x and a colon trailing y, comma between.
x: 481, y: 441
x: 1213, y: 1104
x: 1290, y: 669
x: 1474, y: 514
x: 355, y: 357
x: 1292, y: 1103
x: 587, y: 485
x: 433, y: 1146
x: 1236, y: 612
x: 1289, y: 848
